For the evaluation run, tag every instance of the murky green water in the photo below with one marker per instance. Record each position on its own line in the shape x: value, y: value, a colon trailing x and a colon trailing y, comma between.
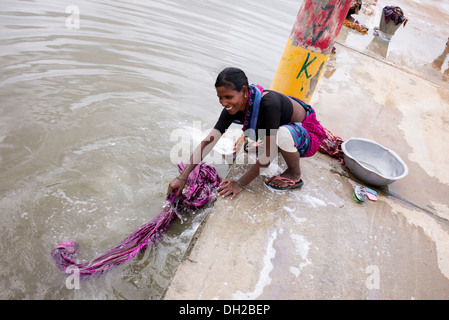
x: 89, y: 95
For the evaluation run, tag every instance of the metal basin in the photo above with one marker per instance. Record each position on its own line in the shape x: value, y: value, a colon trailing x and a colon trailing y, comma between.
x: 373, y: 163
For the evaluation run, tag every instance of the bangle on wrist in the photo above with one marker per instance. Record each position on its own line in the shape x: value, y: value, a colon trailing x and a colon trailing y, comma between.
x: 180, y: 178
x: 240, y: 185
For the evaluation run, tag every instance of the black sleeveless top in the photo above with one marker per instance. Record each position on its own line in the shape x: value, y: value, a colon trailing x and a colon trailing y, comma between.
x: 276, y: 109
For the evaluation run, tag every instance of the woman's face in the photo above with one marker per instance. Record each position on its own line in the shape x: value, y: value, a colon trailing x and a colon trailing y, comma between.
x: 233, y: 100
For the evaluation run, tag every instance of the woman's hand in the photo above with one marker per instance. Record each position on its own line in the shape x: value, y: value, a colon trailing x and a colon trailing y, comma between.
x: 228, y: 187
x: 176, y: 184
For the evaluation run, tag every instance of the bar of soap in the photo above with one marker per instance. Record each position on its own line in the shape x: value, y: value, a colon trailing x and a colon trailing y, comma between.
x: 371, y: 194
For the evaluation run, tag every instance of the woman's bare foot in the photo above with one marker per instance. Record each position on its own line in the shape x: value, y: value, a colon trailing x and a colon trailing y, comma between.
x: 283, y: 183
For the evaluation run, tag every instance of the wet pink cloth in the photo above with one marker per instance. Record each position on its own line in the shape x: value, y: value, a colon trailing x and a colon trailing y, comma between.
x: 316, y: 132
x: 200, y: 190
x: 331, y: 145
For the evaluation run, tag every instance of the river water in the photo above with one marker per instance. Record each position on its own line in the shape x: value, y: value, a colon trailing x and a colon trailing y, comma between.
x: 90, y: 94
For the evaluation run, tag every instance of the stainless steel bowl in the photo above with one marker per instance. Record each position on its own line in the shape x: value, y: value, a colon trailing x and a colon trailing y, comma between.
x: 373, y: 163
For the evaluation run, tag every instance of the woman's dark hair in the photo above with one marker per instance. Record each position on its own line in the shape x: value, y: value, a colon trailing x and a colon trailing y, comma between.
x: 232, y: 78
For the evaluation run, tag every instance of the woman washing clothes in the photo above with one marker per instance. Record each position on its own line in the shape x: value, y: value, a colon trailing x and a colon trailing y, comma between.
x: 283, y: 123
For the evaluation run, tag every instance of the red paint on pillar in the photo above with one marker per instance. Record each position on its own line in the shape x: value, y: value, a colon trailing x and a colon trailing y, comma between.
x: 318, y: 23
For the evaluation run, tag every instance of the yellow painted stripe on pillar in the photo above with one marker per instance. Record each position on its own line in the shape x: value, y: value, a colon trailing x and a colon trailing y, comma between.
x: 298, y: 72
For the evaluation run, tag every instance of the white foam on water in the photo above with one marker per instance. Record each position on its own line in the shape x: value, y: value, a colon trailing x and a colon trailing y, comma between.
x: 314, y: 202
x: 264, y: 277
x: 302, y: 247
x: 291, y: 212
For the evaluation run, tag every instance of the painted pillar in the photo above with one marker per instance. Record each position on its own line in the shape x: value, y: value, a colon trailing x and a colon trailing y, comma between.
x: 311, y: 41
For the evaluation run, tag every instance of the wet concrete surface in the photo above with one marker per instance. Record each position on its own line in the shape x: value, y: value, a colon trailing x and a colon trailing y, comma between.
x: 317, y: 242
